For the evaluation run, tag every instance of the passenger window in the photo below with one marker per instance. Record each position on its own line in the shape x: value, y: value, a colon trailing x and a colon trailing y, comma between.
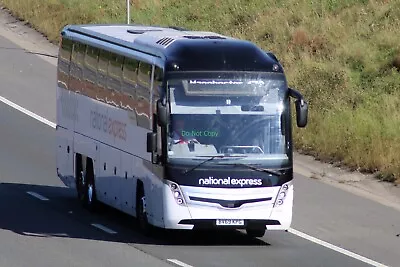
x: 130, y: 71
x: 144, y: 74
x: 63, y: 63
x: 129, y: 83
x: 102, y: 75
x: 78, y: 53
x: 66, y: 49
x: 76, y: 68
x: 115, y: 78
x: 90, y: 71
x: 143, y: 95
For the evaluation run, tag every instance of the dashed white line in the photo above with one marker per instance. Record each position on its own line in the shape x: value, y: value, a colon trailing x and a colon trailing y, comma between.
x: 336, y: 248
x: 34, y: 234
x: 27, y: 112
x: 178, y: 262
x: 46, y: 235
x: 104, y: 228
x: 37, y: 196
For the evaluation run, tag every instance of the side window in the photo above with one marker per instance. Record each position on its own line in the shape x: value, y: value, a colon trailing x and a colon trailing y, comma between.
x: 143, y: 95
x: 115, y: 78
x: 65, y: 51
x: 158, y: 92
x: 102, y: 69
x: 129, y: 83
x: 76, y: 68
x: 90, y: 71
x: 144, y: 74
x: 64, y: 60
x: 130, y: 76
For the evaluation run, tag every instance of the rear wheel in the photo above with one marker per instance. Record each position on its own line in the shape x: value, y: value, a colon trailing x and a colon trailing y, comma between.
x: 80, y: 178
x: 90, y: 201
x: 255, y: 232
x: 85, y: 183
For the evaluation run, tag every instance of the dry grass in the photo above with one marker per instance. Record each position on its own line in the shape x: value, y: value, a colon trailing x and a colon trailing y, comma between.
x: 343, y: 55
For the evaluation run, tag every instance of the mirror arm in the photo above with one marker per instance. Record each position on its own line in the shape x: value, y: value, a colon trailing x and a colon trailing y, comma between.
x: 296, y: 94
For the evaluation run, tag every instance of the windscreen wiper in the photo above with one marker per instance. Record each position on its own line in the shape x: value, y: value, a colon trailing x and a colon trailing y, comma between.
x: 273, y: 172
x: 207, y: 160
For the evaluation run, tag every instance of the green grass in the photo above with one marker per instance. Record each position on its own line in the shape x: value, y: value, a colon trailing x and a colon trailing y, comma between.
x: 343, y: 55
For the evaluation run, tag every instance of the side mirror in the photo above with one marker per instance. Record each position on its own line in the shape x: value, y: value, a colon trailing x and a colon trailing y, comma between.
x: 162, y: 114
x: 151, y: 142
x: 301, y: 112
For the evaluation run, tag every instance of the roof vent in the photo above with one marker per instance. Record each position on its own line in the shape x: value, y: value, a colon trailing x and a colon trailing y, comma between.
x: 178, y: 28
x: 212, y: 37
x: 165, y: 41
x: 141, y: 31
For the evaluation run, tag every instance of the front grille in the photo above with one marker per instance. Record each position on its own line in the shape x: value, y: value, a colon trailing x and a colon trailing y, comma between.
x: 229, y: 203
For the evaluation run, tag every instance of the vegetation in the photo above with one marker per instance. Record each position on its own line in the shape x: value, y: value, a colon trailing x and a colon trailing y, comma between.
x: 343, y: 55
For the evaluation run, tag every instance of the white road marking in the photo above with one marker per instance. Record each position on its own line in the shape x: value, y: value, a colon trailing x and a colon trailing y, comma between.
x: 336, y: 248
x: 27, y: 112
x: 103, y: 228
x: 37, y: 196
x: 34, y: 234
x: 46, y: 235
x: 177, y: 262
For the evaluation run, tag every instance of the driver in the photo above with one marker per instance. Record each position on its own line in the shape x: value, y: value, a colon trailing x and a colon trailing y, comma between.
x: 177, y: 133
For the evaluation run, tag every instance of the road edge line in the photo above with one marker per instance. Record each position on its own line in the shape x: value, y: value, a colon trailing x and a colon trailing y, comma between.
x: 38, y: 196
x: 27, y: 112
x: 335, y: 248
x: 178, y: 262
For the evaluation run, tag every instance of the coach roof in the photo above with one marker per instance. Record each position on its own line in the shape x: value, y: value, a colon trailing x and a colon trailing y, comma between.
x: 183, y: 49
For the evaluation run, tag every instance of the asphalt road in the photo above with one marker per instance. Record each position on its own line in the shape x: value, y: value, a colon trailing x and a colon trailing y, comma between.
x: 58, y: 232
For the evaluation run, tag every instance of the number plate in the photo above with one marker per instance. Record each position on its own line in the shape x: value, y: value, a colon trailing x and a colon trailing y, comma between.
x: 225, y: 222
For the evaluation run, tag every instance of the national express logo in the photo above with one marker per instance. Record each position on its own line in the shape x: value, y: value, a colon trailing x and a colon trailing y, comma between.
x: 230, y: 181
x: 112, y: 127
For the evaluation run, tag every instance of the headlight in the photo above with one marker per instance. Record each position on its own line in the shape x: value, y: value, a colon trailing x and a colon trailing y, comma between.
x: 177, y: 193
x: 280, y: 199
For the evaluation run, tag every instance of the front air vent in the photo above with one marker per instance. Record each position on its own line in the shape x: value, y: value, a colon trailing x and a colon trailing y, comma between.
x: 211, y: 37
x: 165, y: 41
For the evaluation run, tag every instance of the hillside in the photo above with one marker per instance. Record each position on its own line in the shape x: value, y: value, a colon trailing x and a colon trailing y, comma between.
x: 343, y: 55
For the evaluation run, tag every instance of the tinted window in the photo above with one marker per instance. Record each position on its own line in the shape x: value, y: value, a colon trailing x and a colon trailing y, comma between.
x: 102, y: 74
x: 63, y: 63
x: 130, y: 73
x: 143, y: 95
x: 129, y: 83
x: 66, y: 49
x: 90, y: 71
x: 114, y: 78
x: 76, y: 70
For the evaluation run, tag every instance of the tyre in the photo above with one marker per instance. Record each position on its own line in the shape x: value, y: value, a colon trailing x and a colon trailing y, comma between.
x: 80, y: 178
x: 141, y: 213
x: 85, y: 184
x: 90, y: 199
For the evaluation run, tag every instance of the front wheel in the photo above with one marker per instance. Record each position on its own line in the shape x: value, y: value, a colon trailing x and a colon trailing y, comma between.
x: 141, y: 213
